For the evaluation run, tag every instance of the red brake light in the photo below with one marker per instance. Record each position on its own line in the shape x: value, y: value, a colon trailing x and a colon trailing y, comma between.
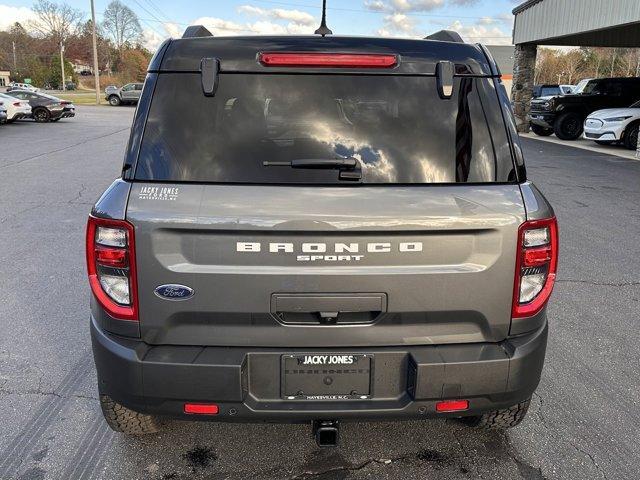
x: 111, y: 267
x: 16, y: 104
x: 536, y: 266
x: 65, y: 103
x: 201, y: 408
x: 112, y: 257
x: 327, y: 60
x: 452, y: 405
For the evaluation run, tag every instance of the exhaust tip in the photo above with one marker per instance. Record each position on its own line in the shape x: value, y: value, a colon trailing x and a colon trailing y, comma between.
x: 326, y: 433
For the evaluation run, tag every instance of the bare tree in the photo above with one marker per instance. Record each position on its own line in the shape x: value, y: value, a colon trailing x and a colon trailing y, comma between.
x: 55, y: 20
x: 121, y: 24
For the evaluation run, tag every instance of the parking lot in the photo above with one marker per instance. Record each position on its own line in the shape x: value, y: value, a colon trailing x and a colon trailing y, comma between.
x: 583, y: 423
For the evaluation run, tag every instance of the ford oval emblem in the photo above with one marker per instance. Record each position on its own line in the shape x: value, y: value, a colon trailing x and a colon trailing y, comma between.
x: 172, y: 291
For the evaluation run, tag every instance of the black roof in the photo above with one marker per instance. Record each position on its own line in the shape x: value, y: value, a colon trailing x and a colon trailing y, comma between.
x: 239, y: 54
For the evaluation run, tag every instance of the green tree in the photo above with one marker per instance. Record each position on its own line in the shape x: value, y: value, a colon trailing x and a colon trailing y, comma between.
x: 54, y: 76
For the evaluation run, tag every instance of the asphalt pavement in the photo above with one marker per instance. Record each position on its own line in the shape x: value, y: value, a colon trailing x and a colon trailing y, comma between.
x: 583, y: 422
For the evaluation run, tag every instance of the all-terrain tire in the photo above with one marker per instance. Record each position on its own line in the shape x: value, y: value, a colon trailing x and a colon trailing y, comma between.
x: 121, y: 419
x: 541, y: 131
x: 631, y: 136
x: 114, y: 101
x: 500, y: 419
x: 568, y: 126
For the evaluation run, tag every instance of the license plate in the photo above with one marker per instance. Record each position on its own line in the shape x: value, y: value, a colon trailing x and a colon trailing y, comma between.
x: 326, y: 376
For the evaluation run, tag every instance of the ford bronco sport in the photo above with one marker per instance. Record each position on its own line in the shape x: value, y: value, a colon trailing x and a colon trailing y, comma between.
x: 316, y: 229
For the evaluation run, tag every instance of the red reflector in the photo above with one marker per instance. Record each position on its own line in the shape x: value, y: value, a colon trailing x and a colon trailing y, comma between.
x: 337, y: 60
x: 201, y: 408
x: 111, y: 257
x: 534, y: 257
x: 452, y: 405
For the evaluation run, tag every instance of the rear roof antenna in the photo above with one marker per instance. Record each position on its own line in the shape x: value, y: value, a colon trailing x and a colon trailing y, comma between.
x: 323, y: 29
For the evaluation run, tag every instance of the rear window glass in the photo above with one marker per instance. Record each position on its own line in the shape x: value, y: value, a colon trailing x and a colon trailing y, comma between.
x: 397, y: 127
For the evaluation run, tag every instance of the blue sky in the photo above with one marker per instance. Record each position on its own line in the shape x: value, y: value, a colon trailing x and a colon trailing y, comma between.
x: 484, y: 21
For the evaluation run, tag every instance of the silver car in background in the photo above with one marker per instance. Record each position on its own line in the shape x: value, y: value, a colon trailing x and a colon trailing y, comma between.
x: 130, y: 93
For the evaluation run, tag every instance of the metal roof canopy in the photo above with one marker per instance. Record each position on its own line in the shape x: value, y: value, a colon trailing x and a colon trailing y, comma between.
x: 583, y: 23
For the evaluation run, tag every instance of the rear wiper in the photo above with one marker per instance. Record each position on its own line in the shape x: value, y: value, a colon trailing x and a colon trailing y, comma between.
x: 349, y: 167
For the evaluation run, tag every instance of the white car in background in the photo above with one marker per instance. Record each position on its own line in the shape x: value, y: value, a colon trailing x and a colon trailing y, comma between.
x: 21, y: 86
x: 614, y: 125
x: 16, y: 108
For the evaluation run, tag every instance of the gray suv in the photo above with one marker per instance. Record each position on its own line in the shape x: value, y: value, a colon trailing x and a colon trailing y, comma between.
x: 320, y: 229
x: 129, y: 94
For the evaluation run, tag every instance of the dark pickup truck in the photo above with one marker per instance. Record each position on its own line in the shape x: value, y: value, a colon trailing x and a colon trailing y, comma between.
x: 564, y: 115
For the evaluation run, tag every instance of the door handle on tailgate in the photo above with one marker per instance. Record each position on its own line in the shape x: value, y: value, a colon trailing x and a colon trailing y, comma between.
x: 326, y: 308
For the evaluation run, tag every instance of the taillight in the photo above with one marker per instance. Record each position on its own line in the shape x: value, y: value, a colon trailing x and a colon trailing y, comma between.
x: 327, y: 60
x: 65, y: 103
x: 111, y: 266
x: 17, y: 104
x: 536, y: 266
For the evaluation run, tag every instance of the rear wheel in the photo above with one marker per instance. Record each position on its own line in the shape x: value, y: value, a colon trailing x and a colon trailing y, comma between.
x: 500, y: 419
x: 121, y: 419
x: 568, y: 126
x: 541, y: 131
x: 41, y: 115
x: 114, y: 100
x: 631, y: 136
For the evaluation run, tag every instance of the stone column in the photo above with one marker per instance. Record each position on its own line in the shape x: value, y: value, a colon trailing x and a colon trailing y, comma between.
x: 522, y: 87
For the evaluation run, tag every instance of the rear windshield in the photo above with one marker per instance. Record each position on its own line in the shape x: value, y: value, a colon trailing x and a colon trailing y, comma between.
x: 397, y: 128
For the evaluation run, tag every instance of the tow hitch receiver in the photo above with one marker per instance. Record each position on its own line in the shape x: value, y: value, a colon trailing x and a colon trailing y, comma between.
x: 326, y: 433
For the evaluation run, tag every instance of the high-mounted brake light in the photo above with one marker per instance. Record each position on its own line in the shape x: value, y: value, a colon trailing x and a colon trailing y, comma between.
x: 111, y: 266
x: 327, y: 60
x: 536, y: 266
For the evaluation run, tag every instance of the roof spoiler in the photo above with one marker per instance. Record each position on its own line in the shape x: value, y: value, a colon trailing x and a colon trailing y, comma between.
x: 445, y: 36
x: 194, y: 31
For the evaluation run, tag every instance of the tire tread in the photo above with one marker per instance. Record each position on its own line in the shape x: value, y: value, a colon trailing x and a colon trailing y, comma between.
x: 124, y: 420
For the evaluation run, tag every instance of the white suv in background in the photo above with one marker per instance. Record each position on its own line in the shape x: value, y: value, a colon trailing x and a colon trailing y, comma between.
x: 16, y: 108
x: 613, y: 125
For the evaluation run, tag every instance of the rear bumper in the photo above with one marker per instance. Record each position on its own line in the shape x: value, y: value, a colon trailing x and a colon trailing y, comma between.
x: 406, y: 382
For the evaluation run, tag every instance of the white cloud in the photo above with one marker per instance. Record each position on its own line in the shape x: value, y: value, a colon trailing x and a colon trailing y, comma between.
x: 481, y: 33
x: 220, y: 27
x: 403, y: 6
x: 173, y: 29
x: 152, y: 39
x: 10, y: 15
x: 295, y: 16
x: 398, y: 25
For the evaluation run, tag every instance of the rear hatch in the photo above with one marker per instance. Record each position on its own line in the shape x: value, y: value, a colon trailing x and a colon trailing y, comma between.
x: 412, y: 243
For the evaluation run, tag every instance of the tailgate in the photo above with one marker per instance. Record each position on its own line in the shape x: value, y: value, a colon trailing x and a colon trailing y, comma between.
x: 309, y: 266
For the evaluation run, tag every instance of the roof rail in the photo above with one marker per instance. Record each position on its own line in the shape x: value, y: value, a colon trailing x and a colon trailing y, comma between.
x: 193, y: 31
x: 445, y: 36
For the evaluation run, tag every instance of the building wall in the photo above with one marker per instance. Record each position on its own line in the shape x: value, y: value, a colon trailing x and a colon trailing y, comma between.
x: 4, y: 78
x: 537, y: 20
